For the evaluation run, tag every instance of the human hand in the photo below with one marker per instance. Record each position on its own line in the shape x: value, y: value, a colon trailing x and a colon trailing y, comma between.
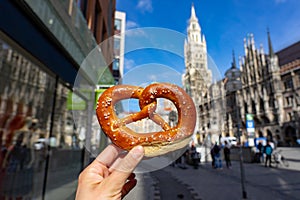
x: 110, y: 175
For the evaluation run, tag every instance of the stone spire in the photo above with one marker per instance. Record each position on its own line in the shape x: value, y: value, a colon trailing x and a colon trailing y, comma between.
x: 194, y: 29
x: 233, y: 60
x: 193, y: 14
x: 271, y: 51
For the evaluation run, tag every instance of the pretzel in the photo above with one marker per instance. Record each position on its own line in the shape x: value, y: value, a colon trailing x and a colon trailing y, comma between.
x: 155, y: 143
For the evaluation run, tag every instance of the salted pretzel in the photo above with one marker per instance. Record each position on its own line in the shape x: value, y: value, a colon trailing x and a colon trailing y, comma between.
x: 155, y: 143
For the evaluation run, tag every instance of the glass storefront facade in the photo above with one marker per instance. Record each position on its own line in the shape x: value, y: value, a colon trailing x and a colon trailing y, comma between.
x: 41, y: 148
x: 48, y: 127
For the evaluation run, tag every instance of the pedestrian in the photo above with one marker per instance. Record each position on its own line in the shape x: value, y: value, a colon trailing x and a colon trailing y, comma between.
x: 110, y: 175
x: 227, y: 154
x: 260, y: 148
x: 212, y: 154
x: 268, y: 151
x: 194, y: 156
x: 217, y: 154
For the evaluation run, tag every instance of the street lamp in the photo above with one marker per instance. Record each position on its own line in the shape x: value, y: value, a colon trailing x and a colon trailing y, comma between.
x: 234, y: 84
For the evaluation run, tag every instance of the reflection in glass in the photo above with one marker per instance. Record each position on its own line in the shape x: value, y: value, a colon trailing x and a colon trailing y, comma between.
x: 41, y: 148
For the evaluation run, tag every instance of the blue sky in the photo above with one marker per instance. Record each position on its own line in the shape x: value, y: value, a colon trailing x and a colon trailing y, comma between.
x: 225, y: 23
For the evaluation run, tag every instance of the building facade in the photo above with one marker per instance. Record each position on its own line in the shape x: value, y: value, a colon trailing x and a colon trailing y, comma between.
x: 42, y: 46
x: 119, y: 42
x: 270, y: 93
x: 261, y: 95
x: 289, y: 61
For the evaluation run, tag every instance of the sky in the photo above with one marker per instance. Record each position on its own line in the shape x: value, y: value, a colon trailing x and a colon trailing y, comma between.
x: 224, y: 23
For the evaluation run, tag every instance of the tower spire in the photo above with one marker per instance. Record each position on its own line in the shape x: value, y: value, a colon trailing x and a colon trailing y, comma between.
x: 193, y: 13
x: 233, y: 60
x: 271, y: 51
x: 194, y: 29
x: 193, y: 17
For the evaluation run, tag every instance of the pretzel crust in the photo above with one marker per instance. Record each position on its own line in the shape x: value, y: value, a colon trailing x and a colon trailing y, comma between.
x: 155, y: 143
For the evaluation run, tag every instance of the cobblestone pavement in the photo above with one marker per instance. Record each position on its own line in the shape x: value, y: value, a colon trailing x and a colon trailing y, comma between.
x: 205, y: 183
x: 260, y: 182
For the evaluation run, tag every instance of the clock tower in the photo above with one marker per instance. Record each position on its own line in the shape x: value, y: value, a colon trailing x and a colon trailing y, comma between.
x: 197, y: 77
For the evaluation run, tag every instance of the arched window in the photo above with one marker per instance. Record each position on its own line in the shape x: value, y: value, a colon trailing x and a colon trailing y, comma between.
x: 253, y: 107
x: 261, y: 105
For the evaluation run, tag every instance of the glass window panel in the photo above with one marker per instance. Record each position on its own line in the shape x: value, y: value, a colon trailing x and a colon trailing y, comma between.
x: 67, y: 143
x: 118, y: 25
x: 116, y: 46
x: 41, y: 145
x: 116, y: 64
x: 26, y: 94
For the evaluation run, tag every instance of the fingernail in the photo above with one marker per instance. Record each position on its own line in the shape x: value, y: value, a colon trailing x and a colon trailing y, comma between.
x: 137, y: 152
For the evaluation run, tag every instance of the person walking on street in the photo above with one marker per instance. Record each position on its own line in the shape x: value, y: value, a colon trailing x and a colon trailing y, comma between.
x: 268, y: 151
x: 218, y: 160
x: 212, y: 154
x: 194, y: 156
x: 260, y: 152
x: 227, y: 154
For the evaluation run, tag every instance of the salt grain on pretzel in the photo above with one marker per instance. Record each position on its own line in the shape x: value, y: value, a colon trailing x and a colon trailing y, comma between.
x: 155, y: 143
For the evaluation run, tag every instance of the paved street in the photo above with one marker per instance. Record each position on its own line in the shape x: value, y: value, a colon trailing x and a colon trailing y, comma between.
x: 206, y: 183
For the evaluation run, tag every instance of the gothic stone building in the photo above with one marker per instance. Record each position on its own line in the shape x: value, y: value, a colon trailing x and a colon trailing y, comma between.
x: 289, y: 62
x: 270, y: 93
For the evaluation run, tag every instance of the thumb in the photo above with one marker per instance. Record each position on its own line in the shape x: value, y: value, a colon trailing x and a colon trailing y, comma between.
x: 123, y: 167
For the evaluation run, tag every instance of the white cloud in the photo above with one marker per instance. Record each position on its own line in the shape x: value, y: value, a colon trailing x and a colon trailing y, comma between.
x: 129, y: 64
x: 145, y: 6
x: 136, y: 32
x: 131, y: 24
